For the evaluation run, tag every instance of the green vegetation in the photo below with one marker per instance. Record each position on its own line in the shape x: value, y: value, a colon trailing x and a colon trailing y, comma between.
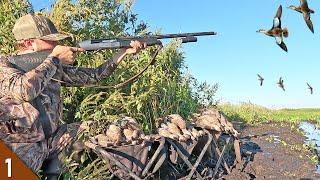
x: 9, y: 12
x: 255, y: 114
x: 296, y: 115
x: 246, y: 112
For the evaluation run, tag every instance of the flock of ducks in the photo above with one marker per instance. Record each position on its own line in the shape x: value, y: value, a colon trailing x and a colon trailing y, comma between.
x: 281, y: 85
x: 280, y: 33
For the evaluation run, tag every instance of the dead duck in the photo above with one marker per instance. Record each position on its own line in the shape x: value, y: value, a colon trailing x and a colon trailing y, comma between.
x: 309, y: 87
x: 276, y: 31
x: 114, y: 134
x: 304, y: 9
x: 280, y: 84
x: 215, y: 120
x: 175, y: 127
x: 260, y: 79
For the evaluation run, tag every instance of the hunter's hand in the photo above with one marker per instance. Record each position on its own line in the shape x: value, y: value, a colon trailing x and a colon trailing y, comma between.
x: 65, y: 53
x: 136, y: 46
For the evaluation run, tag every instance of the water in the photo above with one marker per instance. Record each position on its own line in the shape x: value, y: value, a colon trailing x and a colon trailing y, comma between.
x: 312, y: 134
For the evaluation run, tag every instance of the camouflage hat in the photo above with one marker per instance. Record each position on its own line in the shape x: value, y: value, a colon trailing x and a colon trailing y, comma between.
x: 33, y: 26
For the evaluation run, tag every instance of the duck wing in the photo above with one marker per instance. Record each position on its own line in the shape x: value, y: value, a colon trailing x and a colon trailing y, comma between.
x: 280, y: 43
x: 277, y: 18
x: 279, y: 82
x: 308, y: 85
x: 307, y: 18
x: 303, y: 3
x: 260, y: 79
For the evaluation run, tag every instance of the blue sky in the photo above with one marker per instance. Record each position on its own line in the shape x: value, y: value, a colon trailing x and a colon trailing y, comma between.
x: 235, y: 56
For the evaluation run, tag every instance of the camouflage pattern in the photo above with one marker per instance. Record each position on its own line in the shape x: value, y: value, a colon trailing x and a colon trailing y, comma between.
x: 31, y: 106
x: 32, y: 26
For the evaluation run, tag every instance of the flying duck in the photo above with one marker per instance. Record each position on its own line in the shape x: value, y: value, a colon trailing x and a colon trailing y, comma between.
x: 304, y: 9
x: 276, y: 31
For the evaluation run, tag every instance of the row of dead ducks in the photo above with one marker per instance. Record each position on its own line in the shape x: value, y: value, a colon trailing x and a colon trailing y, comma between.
x: 126, y: 131
x: 281, y: 83
x: 278, y: 32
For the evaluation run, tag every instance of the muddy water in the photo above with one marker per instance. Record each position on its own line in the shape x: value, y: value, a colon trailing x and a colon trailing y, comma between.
x: 312, y: 134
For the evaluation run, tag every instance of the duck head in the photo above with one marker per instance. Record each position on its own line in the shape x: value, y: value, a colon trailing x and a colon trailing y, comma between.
x: 293, y: 7
x: 285, y: 32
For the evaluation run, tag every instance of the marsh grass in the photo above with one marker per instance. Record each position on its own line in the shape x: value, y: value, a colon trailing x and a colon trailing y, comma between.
x: 254, y: 114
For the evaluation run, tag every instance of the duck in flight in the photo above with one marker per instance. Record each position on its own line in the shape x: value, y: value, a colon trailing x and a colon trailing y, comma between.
x: 260, y: 79
x: 280, y: 84
x: 309, y: 87
x: 304, y: 9
x: 277, y: 31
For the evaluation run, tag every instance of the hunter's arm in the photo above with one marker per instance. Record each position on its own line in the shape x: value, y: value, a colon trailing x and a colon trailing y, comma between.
x: 24, y: 86
x: 78, y: 76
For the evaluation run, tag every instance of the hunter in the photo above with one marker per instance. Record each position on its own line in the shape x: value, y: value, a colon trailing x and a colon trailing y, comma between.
x: 30, y: 102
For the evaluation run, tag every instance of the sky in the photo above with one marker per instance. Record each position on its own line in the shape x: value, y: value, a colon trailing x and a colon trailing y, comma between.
x: 237, y: 54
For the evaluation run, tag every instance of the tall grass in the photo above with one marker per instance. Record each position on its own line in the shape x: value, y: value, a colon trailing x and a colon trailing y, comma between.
x: 297, y: 115
x: 254, y: 114
x: 246, y: 112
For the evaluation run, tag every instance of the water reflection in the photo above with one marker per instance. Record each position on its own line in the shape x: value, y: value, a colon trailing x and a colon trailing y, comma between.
x: 312, y: 134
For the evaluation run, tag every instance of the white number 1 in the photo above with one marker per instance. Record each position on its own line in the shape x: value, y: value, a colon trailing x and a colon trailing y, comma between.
x: 8, y: 161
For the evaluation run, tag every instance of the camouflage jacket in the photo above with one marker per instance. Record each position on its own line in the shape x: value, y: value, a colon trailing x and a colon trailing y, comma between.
x: 31, y: 104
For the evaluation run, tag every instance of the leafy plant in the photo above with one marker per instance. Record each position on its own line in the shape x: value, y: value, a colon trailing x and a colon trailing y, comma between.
x: 11, y: 10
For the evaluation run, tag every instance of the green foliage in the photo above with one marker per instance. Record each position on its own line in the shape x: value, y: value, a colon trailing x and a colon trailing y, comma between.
x: 204, y: 92
x: 161, y: 90
x: 96, y: 169
x: 246, y: 112
x: 255, y: 114
x: 10, y: 10
x: 296, y: 115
